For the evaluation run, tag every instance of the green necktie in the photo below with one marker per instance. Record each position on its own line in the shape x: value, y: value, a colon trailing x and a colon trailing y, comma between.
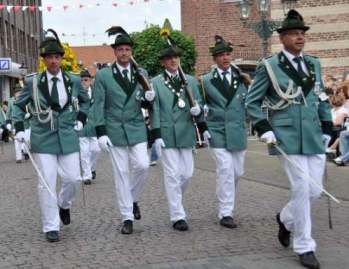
x: 54, y: 92
x: 225, y: 80
x: 125, y: 73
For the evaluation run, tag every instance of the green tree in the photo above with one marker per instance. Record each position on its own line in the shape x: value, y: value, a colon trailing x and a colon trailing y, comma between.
x: 148, y: 44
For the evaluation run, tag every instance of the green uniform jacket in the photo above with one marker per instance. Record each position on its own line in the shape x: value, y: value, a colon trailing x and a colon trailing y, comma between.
x: 90, y: 128
x: 62, y: 139
x: 2, y: 118
x: 226, y: 111
x: 9, y: 113
x: 169, y: 122
x: 117, y: 107
x: 299, y: 127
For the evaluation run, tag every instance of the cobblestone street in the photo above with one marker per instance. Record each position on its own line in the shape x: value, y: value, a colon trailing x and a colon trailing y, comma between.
x: 93, y: 239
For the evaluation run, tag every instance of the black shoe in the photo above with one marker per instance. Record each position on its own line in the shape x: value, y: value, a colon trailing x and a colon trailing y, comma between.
x: 26, y: 156
x: 64, y: 214
x: 127, y: 227
x: 87, y: 182
x: 136, y: 211
x: 284, y: 234
x: 309, y: 260
x: 228, y: 222
x: 180, y: 225
x: 93, y: 174
x: 52, y: 236
x: 18, y: 161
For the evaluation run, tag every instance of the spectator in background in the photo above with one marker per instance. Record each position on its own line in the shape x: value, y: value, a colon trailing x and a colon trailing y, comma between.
x: 343, y: 91
x: 339, y: 113
x: 343, y: 146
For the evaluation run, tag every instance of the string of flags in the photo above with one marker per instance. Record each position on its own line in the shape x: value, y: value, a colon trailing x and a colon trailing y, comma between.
x: 81, y: 6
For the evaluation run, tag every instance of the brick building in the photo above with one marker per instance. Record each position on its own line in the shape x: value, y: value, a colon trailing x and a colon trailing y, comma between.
x: 20, y: 35
x: 328, y: 37
x: 90, y: 56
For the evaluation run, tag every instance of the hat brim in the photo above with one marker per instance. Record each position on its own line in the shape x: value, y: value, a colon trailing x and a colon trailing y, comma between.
x: 120, y: 44
x: 222, y: 50
x: 282, y: 29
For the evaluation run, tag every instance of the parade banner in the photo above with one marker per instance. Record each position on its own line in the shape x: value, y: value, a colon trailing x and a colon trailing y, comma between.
x: 79, y: 6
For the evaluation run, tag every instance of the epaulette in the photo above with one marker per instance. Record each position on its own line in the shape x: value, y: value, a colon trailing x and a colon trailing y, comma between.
x: 312, y: 56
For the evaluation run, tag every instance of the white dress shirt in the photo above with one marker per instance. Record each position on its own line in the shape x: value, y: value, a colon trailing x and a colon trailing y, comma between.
x: 290, y: 57
x: 171, y: 75
x: 121, y: 68
x: 228, y: 75
x: 62, y: 94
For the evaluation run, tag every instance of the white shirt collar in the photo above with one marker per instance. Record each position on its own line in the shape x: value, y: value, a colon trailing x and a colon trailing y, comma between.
x: 220, y: 71
x: 50, y: 76
x: 170, y: 75
x: 290, y: 56
x: 121, y: 68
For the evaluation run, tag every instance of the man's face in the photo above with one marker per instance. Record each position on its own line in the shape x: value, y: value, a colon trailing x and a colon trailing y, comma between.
x: 123, y: 54
x: 170, y: 63
x: 53, y: 63
x: 223, y: 60
x: 293, y: 40
x: 86, y: 82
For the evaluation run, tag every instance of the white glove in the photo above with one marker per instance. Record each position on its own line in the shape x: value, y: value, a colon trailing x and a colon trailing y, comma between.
x: 326, y: 139
x: 149, y: 95
x: 104, y: 143
x: 207, y: 137
x: 27, y: 116
x: 268, y: 137
x: 78, y: 126
x: 195, y: 110
x: 8, y: 126
x: 159, y: 144
x: 1, y: 131
x: 20, y: 136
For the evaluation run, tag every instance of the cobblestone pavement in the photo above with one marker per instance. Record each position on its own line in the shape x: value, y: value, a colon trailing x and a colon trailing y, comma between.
x: 93, y: 239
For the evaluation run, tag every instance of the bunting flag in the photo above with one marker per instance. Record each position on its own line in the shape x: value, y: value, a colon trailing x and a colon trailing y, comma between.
x: 81, y: 6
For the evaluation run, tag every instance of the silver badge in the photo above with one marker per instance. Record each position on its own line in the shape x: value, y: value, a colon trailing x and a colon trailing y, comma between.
x: 181, y: 103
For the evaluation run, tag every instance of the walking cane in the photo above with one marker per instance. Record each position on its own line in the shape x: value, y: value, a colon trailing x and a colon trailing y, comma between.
x: 41, y: 178
x: 329, y: 206
x: 82, y: 182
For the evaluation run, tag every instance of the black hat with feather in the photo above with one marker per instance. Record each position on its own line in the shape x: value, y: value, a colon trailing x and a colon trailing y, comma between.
x: 51, y: 45
x: 122, y: 37
x: 293, y: 20
x: 220, y: 46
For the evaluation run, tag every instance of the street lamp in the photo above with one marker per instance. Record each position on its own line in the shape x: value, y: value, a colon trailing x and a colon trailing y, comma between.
x: 264, y: 28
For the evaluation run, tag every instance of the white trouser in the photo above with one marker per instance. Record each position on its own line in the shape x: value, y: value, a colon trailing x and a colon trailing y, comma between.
x: 26, y: 138
x: 89, y: 153
x: 229, y: 167
x: 67, y: 167
x: 18, y: 150
x: 296, y: 215
x: 130, y: 169
x: 178, y: 166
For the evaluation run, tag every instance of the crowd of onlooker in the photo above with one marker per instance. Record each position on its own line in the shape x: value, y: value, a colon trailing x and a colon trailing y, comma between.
x: 338, y: 92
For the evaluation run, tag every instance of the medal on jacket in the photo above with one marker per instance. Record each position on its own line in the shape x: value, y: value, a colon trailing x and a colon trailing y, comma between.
x: 180, y: 103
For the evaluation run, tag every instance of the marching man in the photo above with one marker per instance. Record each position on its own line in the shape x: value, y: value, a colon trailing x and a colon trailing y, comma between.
x: 120, y: 127
x: 55, y: 97
x: 9, y: 122
x: 291, y: 85
x: 89, y: 148
x: 174, y: 132
x: 224, y: 92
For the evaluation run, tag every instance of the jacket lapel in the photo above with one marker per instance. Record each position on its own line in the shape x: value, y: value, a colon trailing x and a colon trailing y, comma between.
x: 288, y: 68
x: 217, y: 82
x: 132, y: 85
x: 308, y: 84
x: 68, y: 85
x: 43, y: 87
x: 119, y: 79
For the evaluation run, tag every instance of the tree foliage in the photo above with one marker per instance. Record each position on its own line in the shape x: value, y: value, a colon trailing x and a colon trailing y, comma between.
x: 69, y: 61
x: 148, y: 45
